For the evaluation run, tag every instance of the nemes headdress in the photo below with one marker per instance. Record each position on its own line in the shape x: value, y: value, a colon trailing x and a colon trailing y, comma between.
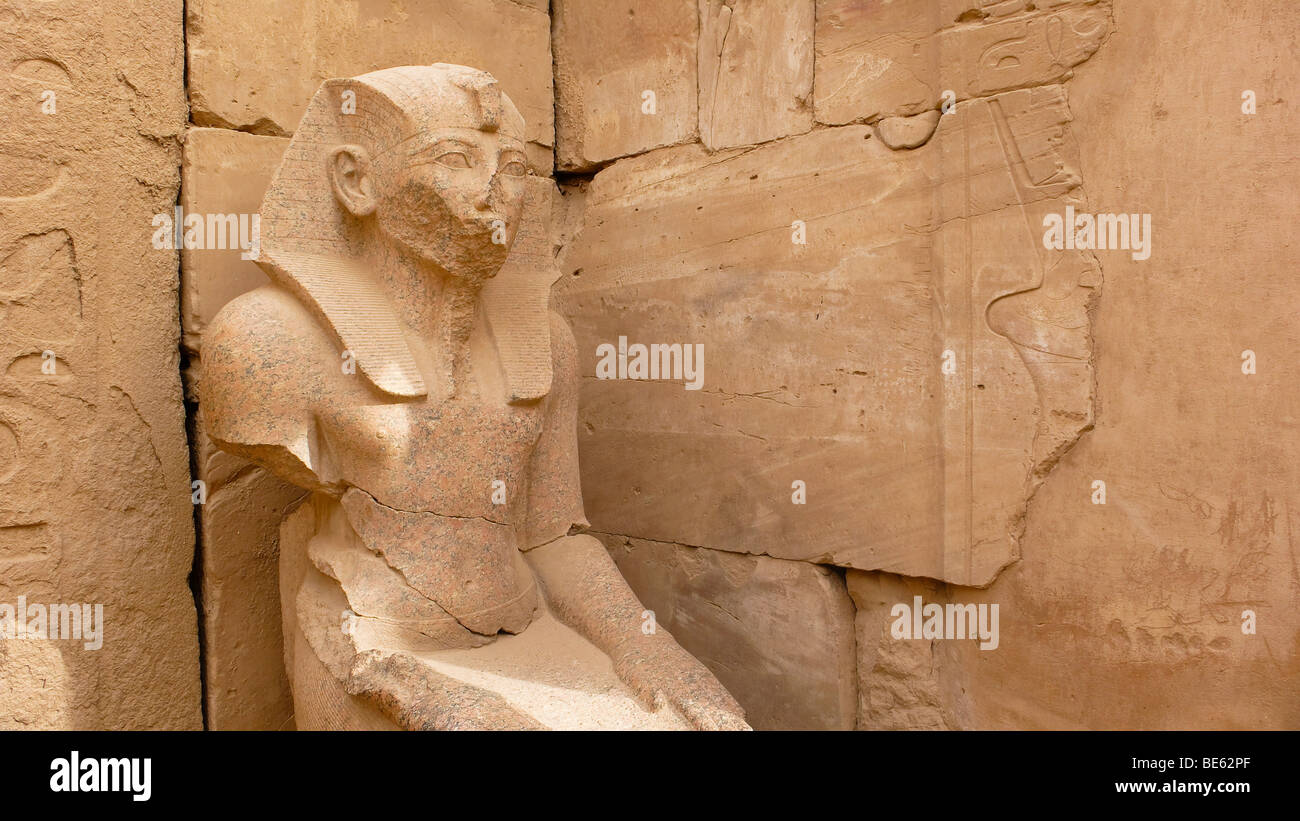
x: 305, y: 245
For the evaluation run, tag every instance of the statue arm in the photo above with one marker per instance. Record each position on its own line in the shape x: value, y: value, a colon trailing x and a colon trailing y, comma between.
x: 583, y: 585
x: 587, y: 592
x: 257, y: 385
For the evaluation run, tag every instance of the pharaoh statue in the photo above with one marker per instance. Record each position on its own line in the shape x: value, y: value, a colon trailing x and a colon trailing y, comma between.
x: 403, y: 366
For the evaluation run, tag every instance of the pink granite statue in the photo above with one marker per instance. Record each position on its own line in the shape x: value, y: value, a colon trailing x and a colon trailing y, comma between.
x: 403, y: 367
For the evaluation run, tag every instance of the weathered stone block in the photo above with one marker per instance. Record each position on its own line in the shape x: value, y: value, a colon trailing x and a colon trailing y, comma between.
x: 898, y: 679
x: 239, y: 527
x: 242, y: 76
x: 881, y: 326
x: 755, y: 70
x: 94, y: 470
x: 225, y: 173
x: 608, y: 55
x: 880, y: 59
x: 777, y: 634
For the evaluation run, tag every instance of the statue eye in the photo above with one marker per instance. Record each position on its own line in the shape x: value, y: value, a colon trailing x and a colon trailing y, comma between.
x: 453, y: 159
x: 514, y: 168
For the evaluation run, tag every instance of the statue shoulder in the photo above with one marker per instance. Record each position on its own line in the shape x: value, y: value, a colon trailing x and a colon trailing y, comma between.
x: 264, y: 334
x: 263, y: 353
x: 264, y: 361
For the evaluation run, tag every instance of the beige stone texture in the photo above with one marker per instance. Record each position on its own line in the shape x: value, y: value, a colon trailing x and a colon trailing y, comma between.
x: 224, y: 172
x: 899, y: 685
x: 246, y: 687
x: 880, y: 325
x: 94, y: 481
x: 254, y: 65
x: 777, y: 634
x: 899, y: 58
x: 1127, y: 614
x: 755, y: 70
x: 608, y: 54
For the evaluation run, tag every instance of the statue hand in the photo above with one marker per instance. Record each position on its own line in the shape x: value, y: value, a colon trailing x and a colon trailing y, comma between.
x: 661, y: 673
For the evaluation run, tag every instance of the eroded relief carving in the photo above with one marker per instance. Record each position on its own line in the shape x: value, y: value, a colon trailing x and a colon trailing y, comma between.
x: 912, y: 353
x: 403, y: 366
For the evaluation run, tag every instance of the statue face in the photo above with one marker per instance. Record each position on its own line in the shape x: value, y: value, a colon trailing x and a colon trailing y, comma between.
x: 453, y: 194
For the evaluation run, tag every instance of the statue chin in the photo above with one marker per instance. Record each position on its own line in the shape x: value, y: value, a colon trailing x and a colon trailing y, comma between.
x: 466, y: 261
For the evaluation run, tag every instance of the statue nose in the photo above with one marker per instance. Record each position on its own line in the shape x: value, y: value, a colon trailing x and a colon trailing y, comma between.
x: 483, y: 201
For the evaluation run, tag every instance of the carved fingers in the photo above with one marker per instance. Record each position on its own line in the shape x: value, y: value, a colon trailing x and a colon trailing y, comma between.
x: 660, y: 673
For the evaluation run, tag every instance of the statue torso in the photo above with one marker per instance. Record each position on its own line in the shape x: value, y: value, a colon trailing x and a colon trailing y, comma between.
x: 437, y: 456
x: 434, y: 488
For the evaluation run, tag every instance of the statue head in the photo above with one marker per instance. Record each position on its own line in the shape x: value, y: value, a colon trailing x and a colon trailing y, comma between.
x: 423, y: 161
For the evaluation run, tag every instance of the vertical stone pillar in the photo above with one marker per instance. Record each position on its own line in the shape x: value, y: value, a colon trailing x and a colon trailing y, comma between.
x: 96, y: 522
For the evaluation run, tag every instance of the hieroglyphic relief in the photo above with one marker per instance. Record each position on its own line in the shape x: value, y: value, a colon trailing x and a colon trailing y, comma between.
x: 40, y: 319
x: 93, y: 506
x: 896, y: 269
x: 899, y: 59
x: 40, y: 325
x: 1013, y: 316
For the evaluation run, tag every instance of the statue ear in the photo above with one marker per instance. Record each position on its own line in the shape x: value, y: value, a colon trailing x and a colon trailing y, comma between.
x: 351, y: 178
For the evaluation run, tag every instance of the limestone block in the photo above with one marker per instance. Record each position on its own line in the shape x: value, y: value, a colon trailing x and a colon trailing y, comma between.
x: 624, y: 77
x: 239, y: 529
x: 879, y: 59
x: 777, y: 634
x: 94, y: 469
x: 881, y: 326
x: 242, y: 75
x: 755, y: 70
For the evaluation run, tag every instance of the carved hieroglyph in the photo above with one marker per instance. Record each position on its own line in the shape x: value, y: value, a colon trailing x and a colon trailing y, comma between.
x: 881, y: 320
x: 94, y: 480
x: 403, y: 366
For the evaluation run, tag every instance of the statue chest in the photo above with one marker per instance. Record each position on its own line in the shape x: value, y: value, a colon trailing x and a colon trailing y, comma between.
x: 459, y: 457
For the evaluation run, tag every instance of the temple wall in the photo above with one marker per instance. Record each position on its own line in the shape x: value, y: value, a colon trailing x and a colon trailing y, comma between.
x: 824, y: 359
x: 837, y: 206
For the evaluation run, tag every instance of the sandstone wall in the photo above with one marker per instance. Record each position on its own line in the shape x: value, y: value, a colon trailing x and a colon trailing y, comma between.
x: 1129, y: 614
x: 922, y: 248
x: 95, y: 505
x: 905, y: 394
